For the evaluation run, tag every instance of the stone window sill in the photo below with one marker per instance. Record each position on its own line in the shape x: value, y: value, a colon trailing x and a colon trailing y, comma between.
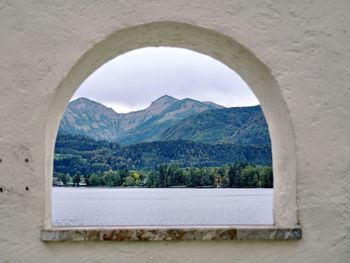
x: 168, y: 233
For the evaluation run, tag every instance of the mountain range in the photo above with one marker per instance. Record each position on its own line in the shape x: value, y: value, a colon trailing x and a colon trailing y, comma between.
x: 167, y: 119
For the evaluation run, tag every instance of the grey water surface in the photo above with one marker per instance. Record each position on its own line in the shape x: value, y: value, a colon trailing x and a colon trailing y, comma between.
x: 160, y: 206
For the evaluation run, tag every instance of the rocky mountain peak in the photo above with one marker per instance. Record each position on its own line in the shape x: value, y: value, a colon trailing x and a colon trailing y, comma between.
x: 160, y: 104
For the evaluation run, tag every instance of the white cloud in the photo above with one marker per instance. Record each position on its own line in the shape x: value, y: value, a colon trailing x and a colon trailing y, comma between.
x: 135, y: 79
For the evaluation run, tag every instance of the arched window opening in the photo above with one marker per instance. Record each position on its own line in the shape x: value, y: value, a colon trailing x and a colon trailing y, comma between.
x: 234, y: 55
x: 163, y: 136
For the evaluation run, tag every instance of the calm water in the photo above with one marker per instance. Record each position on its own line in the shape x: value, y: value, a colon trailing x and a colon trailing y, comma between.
x: 113, y: 207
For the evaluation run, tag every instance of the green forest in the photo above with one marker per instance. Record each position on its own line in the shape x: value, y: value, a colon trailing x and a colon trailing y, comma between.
x: 80, y: 160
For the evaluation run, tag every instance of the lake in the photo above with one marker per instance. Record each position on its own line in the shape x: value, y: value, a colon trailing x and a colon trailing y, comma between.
x: 160, y: 206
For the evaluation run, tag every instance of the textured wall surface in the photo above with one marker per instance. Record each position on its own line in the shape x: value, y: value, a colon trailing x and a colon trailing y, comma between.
x: 301, y: 75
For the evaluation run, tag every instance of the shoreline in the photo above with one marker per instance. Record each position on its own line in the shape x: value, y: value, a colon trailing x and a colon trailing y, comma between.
x: 135, y: 187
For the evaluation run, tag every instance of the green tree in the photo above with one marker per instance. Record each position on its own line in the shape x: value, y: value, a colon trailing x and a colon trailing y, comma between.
x: 76, y: 179
x: 265, y: 176
x: 129, y: 181
x: 234, y: 175
x: 206, y: 177
x: 65, y: 178
x: 94, y: 180
x: 111, y: 178
x: 152, y: 179
x: 189, y: 182
x: 163, y: 171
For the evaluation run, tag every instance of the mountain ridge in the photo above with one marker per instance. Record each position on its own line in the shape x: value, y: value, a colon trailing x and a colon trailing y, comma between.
x: 166, y: 119
x: 241, y: 125
x: 90, y: 118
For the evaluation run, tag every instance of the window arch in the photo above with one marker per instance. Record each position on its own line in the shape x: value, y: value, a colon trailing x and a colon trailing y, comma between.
x: 219, y: 47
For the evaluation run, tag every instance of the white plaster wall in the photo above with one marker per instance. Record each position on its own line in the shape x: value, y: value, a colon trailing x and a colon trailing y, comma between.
x: 305, y: 44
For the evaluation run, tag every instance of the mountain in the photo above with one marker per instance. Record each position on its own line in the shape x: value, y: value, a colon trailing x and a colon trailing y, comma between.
x: 167, y: 119
x: 153, y: 127
x: 241, y: 125
x: 213, y: 104
x: 89, y: 118
x: 133, y: 119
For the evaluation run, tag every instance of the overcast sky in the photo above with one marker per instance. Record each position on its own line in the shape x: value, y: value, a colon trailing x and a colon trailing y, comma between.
x: 132, y: 81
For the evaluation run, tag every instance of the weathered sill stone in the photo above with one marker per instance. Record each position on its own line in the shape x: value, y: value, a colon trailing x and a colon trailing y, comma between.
x: 172, y: 233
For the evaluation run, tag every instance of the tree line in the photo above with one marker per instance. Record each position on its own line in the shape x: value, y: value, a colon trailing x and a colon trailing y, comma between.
x: 237, y: 175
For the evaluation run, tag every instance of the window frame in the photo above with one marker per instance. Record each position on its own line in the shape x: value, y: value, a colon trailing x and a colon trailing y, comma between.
x: 259, y: 78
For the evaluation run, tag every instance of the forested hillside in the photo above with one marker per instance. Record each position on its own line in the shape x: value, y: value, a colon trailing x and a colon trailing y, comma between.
x: 84, y: 157
x: 242, y: 125
x: 77, y: 153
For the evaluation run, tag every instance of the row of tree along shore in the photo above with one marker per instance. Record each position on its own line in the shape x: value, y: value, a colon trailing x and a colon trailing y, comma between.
x: 237, y: 175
